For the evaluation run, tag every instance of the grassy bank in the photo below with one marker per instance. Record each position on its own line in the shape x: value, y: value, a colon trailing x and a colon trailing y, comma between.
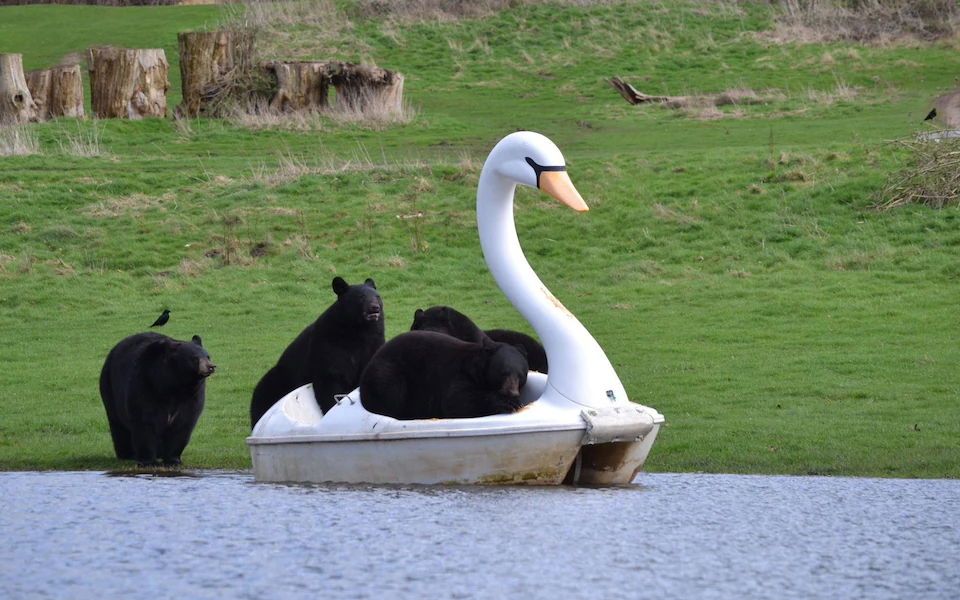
x: 731, y: 266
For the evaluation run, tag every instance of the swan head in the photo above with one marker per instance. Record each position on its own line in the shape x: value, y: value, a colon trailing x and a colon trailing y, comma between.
x: 531, y: 159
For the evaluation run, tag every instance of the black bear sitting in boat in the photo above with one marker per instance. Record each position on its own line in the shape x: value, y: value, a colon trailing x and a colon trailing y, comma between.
x: 429, y: 375
x: 153, y: 388
x: 330, y: 353
x: 446, y: 320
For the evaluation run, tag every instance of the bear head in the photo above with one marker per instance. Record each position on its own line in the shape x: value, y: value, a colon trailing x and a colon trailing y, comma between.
x: 503, y: 368
x: 444, y: 319
x: 189, y: 359
x: 360, y: 304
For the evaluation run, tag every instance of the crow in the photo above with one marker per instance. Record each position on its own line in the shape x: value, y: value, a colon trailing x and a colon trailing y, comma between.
x: 163, y: 318
x: 931, y: 115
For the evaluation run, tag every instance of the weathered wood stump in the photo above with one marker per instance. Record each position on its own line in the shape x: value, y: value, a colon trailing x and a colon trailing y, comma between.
x: 364, y: 88
x: 209, y: 63
x: 301, y: 86
x: 128, y: 83
x: 57, y: 91
x: 16, y: 101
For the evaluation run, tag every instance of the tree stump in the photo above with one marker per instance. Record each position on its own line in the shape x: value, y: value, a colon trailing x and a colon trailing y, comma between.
x: 209, y: 64
x: 16, y: 101
x: 128, y: 82
x: 364, y: 88
x: 301, y: 86
x: 57, y: 91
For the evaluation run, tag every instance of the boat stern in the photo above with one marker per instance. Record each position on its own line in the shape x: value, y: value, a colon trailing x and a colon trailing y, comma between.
x: 616, y: 442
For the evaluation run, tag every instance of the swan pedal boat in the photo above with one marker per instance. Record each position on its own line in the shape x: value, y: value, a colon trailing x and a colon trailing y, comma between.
x: 577, y: 425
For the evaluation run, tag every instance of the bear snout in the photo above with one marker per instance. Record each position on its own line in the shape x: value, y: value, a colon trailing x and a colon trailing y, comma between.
x: 207, y: 368
x: 511, y: 387
x: 372, y: 313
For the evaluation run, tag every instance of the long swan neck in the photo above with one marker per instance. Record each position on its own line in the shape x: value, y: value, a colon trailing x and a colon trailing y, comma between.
x: 578, y: 366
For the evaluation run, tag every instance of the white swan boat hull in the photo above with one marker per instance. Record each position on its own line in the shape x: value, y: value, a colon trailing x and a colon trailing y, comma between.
x: 545, y: 443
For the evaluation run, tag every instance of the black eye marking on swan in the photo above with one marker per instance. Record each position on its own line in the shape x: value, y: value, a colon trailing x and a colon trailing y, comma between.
x: 540, y: 168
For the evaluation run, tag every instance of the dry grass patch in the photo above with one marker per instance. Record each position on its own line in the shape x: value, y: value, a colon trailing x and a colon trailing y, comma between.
x: 132, y: 205
x: 190, y: 267
x: 286, y: 212
x: 83, y: 140
x: 668, y: 214
x: 5, y: 260
x: 301, y: 245
x: 255, y: 113
x: 397, y: 262
x: 733, y: 97
x: 18, y: 140
x: 427, y: 11
x: 290, y: 168
x: 866, y: 21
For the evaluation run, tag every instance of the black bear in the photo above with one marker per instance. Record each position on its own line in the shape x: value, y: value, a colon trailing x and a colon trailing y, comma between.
x: 452, y: 322
x: 330, y: 353
x: 430, y: 375
x: 153, y: 388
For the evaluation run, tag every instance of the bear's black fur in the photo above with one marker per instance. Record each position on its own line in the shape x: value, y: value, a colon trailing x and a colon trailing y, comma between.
x: 153, y: 388
x: 444, y: 319
x: 330, y: 353
x: 429, y: 375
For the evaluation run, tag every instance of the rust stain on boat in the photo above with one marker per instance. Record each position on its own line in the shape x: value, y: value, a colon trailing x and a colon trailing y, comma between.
x: 555, y: 301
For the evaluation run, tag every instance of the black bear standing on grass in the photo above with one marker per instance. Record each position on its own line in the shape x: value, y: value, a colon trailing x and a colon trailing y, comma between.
x: 444, y: 319
x: 330, y: 353
x: 153, y: 388
x: 429, y: 375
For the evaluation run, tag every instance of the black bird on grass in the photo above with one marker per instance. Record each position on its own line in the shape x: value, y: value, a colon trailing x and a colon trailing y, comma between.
x: 163, y: 318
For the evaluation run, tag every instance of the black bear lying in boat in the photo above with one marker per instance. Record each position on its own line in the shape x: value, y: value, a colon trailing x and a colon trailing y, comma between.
x: 429, y: 375
x: 444, y: 319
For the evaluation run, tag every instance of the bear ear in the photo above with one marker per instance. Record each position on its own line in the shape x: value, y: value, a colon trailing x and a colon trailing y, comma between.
x: 196, y: 340
x: 339, y: 285
x: 369, y: 283
x: 476, y: 369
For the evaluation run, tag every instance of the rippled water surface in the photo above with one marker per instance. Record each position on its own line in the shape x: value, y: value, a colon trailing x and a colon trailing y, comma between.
x: 221, y: 535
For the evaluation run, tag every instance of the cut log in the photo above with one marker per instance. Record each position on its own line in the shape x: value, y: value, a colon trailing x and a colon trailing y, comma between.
x: 128, y: 83
x: 632, y: 95
x: 301, y: 86
x: 57, y: 91
x: 16, y: 101
x: 364, y: 88
x: 209, y: 63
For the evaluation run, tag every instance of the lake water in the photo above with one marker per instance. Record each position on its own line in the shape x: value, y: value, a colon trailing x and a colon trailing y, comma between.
x: 222, y: 535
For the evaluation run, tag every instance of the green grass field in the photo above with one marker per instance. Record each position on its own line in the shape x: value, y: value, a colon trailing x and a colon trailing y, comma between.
x: 731, y: 264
